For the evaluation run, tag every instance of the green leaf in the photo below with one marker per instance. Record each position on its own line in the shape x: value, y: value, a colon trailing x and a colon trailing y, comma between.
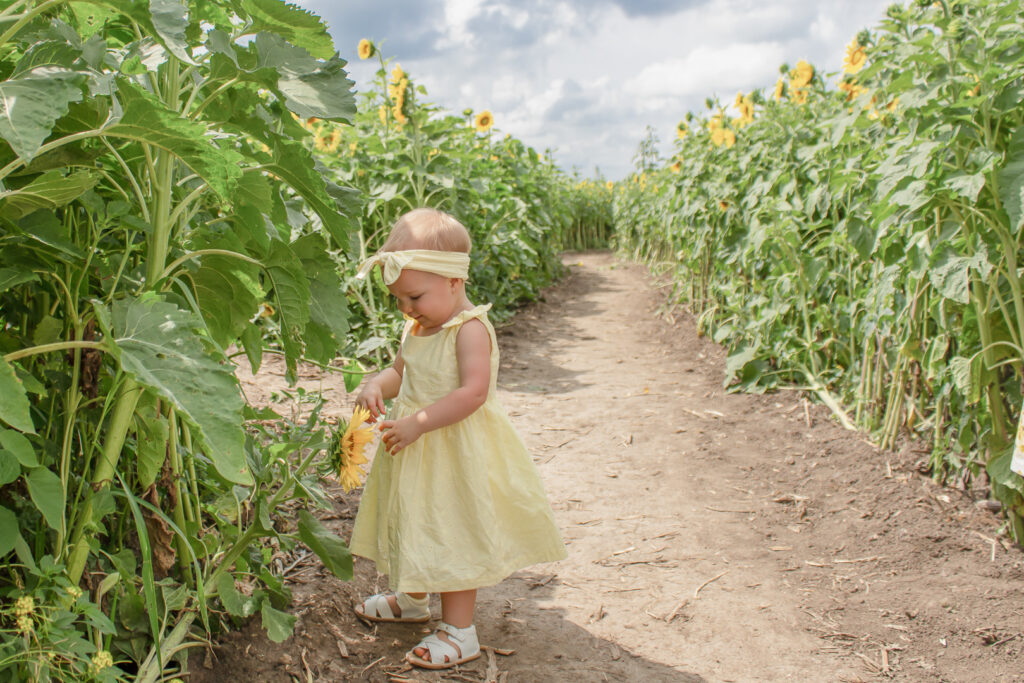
x: 227, y: 287
x: 47, y: 492
x: 999, y: 469
x: 328, y: 302
x: 296, y: 25
x: 739, y: 357
x: 353, y: 375
x: 949, y: 274
x: 291, y: 290
x: 91, y: 18
x: 10, y: 469
x: 967, y: 377
x: 151, y: 435
x: 49, y: 191
x: 252, y: 342
x: 31, y: 104
x: 20, y: 447
x: 148, y: 121
x: 310, y: 87
x: 234, y: 602
x: 966, y: 184
x: 12, y: 277
x: 14, y: 406
x: 159, y: 346
x: 1011, y: 180
x: 170, y: 19
x: 9, y: 530
x: 294, y: 164
x: 331, y: 549
x: 279, y: 625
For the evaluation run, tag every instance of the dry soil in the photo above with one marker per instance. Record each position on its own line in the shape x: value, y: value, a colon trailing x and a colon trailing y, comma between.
x: 712, y: 536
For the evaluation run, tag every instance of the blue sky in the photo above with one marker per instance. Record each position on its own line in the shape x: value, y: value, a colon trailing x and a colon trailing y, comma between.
x: 585, y: 78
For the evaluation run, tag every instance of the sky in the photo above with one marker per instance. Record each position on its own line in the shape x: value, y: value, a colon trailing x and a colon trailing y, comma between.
x: 585, y: 78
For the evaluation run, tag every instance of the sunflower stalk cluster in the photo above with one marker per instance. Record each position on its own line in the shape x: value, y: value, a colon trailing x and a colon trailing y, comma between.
x: 863, y: 240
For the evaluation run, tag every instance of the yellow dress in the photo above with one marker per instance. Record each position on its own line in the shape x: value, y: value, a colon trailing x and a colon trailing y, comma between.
x: 463, y: 506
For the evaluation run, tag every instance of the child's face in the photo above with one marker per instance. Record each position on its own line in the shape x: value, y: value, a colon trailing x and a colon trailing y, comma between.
x: 427, y: 298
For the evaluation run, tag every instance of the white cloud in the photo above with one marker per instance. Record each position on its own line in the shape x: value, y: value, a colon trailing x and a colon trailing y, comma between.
x: 457, y: 15
x: 706, y: 70
x: 585, y: 78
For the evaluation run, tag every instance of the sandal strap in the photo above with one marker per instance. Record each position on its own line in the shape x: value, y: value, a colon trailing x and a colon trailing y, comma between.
x: 410, y: 605
x: 377, y: 606
x: 440, y: 649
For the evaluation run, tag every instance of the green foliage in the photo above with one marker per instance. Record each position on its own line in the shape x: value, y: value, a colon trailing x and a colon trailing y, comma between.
x: 182, y: 183
x: 864, y: 240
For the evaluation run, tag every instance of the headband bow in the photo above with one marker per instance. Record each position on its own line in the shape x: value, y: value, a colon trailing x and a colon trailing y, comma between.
x: 444, y: 263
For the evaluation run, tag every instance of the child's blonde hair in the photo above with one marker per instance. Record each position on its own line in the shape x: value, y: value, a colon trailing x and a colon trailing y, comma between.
x: 428, y: 229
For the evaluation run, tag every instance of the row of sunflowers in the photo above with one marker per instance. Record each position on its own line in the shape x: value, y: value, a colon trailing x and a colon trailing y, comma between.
x: 859, y: 234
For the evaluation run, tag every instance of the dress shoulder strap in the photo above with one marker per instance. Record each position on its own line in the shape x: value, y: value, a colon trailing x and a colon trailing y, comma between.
x: 475, y: 312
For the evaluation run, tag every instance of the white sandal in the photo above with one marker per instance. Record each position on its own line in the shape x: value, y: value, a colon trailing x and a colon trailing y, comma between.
x: 464, y: 647
x: 411, y: 610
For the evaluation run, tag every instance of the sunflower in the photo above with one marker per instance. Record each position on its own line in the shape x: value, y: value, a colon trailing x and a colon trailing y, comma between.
x: 397, y: 74
x: 799, y: 95
x: 611, y: 186
x: 383, y: 114
x: 483, y: 121
x: 746, y: 107
x: 780, y: 87
x: 739, y: 100
x: 852, y: 90
x: 347, y: 449
x: 802, y: 75
x: 855, y: 58
x: 682, y: 129
x: 676, y: 167
x: 366, y: 49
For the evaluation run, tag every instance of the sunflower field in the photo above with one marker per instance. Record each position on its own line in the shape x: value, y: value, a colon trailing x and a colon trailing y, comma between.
x: 859, y: 234
x: 185, y: 186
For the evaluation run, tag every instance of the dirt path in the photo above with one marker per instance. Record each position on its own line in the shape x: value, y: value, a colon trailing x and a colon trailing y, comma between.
x: 712, y: 536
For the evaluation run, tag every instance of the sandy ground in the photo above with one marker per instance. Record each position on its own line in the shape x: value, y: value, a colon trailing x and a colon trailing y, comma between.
x: 712, y: 536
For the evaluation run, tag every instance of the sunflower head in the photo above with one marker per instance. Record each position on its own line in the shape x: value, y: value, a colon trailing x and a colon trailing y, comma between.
x: 780, y: 87
x: 682, y: 129
x: 856, y: 57
x: 676, y: 167
x: 483, y: 121
x: 348, y: 446
x: 366, y: 49
x: 802, y: 75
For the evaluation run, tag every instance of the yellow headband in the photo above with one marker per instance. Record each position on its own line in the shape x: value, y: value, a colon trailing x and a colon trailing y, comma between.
x: 444, y: 263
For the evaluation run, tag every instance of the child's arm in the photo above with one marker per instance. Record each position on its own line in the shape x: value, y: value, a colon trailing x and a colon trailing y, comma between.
x: 473, y: 351
x: 384, y: 385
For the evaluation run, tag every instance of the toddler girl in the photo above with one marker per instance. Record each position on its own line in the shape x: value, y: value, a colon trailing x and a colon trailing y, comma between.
x: 453, y: 501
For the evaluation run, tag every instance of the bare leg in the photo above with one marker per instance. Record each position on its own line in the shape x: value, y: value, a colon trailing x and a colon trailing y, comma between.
x: 456, y: 609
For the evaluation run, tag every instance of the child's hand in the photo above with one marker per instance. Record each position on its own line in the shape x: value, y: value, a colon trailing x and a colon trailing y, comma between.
x: 397, y: 434
x: 372, y: 399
